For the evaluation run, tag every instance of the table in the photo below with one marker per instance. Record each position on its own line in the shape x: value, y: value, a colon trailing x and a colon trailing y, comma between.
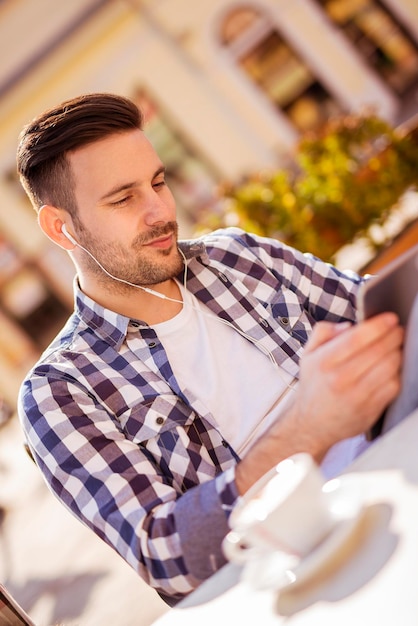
x: 374, y: 580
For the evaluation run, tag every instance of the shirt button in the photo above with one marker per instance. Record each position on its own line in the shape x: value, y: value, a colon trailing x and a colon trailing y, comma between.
x: 160, y: 420
x: 284, y: 321
x: 152, y: 344
x: 223, y: 277
x: 263, y: 322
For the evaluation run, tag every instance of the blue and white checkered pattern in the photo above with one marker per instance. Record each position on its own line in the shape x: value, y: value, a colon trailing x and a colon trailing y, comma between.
x: 122, y: 445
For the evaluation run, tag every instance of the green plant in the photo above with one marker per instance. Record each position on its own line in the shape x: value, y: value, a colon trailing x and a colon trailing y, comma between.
x: 342, y: 180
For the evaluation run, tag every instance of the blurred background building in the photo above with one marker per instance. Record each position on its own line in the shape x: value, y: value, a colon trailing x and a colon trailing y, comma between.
x: 227, y: 87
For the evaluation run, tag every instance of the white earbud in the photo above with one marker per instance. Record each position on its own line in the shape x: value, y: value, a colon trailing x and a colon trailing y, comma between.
x: 67, y: 234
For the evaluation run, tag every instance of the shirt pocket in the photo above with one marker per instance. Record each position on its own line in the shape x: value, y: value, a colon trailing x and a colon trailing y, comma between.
x: 155, y: 416
x: 287, y: 309
x: 176, y: 439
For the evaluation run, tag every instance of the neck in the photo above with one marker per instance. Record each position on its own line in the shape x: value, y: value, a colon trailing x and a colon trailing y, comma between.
x: 133, y: 302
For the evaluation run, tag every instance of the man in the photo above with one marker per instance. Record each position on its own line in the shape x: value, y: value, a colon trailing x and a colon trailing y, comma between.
x: 178, y: 381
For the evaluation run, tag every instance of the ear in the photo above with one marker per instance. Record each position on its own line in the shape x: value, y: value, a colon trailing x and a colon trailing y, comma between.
x: 50, y: 220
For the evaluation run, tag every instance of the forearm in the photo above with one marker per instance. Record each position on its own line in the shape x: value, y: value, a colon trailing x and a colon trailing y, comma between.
x: 288, y: 436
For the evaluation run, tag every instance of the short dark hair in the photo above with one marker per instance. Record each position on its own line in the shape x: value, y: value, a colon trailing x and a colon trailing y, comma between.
x: 42, y: 162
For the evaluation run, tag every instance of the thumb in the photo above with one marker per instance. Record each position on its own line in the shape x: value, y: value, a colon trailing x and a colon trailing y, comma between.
x: 323, y: 332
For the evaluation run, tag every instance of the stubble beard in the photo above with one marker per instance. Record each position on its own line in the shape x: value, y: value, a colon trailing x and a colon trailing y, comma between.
x: 138, y: 264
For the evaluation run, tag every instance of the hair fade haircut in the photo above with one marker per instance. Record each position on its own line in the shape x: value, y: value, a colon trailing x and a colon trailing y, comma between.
x: 42, y: 163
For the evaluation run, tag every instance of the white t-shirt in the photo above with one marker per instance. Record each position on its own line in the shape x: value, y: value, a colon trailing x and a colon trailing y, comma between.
x: 209, y: 360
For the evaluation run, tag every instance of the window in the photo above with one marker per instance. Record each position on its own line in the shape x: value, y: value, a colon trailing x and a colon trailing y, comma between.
x: 379, y: 39
x: 283, y: 76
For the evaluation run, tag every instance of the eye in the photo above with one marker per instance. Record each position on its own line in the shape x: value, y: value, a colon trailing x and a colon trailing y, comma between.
x: 158, y: 184
x: 121, y: 202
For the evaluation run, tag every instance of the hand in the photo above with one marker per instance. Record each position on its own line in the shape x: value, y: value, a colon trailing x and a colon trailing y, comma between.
x: 348, y: 375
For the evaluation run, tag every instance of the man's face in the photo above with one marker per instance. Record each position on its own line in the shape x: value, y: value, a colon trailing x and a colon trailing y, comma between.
x: 126, y: 213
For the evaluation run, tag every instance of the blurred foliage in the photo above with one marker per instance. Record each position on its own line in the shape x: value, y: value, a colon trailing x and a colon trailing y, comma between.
x: 343, y: 179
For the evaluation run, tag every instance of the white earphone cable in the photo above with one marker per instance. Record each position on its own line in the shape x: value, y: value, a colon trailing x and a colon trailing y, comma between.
x: 256, y: 342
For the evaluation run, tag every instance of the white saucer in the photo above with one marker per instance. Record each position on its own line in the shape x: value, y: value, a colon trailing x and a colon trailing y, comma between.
x: 279, y: 570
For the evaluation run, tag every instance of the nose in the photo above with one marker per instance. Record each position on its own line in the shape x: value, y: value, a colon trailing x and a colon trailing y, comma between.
x: 159, y: 208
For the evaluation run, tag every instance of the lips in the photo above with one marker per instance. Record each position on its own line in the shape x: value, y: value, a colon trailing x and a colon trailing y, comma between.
x: 162, y: 236
x: 162, y: 242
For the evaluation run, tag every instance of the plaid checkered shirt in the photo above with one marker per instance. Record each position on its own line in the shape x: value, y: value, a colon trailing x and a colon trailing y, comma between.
x: 130, y: 452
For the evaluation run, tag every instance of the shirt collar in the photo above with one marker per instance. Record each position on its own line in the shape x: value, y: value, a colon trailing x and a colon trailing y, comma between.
x: 107, y: 324
x: 192, y: 247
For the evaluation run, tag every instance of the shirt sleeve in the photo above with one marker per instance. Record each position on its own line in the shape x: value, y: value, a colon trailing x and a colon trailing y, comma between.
x: 325, y: 291
x: 173, y: 539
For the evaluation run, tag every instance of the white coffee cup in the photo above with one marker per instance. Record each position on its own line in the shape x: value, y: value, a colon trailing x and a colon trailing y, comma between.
x: 285, y: 510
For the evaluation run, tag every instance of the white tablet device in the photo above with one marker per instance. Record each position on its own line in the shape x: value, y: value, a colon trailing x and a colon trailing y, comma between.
x: 393, y: 289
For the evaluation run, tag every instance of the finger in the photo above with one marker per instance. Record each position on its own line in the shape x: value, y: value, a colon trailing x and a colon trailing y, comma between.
x: 362, y: 362
x: 380, y: 373
x: 324, y: 332
x: 359, y: 338
x: 386, y: 353
x: 380, y: 392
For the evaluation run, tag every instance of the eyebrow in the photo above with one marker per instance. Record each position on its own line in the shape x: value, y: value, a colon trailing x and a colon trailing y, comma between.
x: 126, y: 186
